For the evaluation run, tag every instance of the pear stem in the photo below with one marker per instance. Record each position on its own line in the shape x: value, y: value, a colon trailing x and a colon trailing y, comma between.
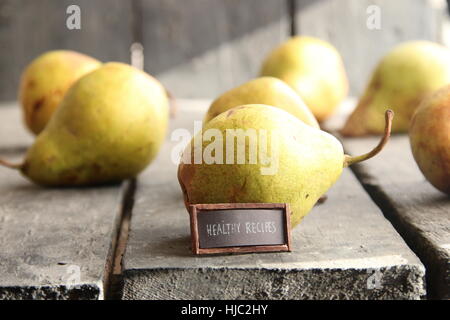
x: 172, y: 104
x: 349, y: 160
x: 10, y: 165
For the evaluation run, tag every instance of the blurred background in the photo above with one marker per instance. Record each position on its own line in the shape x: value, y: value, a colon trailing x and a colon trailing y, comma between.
x: 200, y: 48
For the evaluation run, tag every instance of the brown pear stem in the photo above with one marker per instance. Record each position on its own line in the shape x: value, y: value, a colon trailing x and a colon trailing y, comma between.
x: 173, y: 103
x: 349, y: 160
x: 10, y: 165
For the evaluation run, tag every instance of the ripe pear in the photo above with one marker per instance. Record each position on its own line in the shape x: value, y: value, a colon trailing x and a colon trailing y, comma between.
x: 299, y: 164
x: 314, y: 69
x: 263, y: 90
x: 108, y: 127
x: 429, y: 136
x: 46, y: 80
x: 402, y: 79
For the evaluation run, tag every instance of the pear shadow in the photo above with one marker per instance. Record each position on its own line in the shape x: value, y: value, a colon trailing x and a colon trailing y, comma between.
x: 178, y: 197
x: 435, y: 199
x: 28, y: 186
x: 180, y: 247
x: 170, y: 247
x: 13, y: 151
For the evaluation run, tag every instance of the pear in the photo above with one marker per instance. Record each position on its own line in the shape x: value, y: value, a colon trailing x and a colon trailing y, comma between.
x: 287, y: 161
x: 429, y: 136
x: 46, y: 80
x: 108, y: 127
x: 314, y: 69
x: 263, y: 90
x: 402, y: 79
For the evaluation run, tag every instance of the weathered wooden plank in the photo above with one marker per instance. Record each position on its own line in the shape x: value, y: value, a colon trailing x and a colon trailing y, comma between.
x: 418, y: 211
x: 201, y: 48
x: 344, y: 249
x: 344, y: 24
x: 29, y: 28
x: 54, y: 243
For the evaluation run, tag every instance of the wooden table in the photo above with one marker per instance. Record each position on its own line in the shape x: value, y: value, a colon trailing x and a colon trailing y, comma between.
x: 418, y: 211
x: 70, y: 243
x: 55, y: 243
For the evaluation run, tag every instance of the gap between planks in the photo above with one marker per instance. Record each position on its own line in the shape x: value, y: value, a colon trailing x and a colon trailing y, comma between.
x: 403, y: 227
x: 113, y: 270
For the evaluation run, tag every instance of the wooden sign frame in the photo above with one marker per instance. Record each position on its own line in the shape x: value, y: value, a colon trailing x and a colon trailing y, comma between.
x: 195, y: 209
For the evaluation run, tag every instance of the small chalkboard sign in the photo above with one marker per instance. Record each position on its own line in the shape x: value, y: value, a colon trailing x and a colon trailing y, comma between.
x: 240, y: 227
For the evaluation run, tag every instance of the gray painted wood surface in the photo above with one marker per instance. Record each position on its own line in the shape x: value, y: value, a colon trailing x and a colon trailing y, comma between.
x: 54, y: 243
x: 29, y: 28
x: 343, y: 249
x: 343, y: 23
x: 204, y: 47
x: 419, y: 212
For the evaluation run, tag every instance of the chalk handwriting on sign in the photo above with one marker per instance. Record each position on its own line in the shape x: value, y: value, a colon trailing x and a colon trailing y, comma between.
x: 218, y: 229
x: 240, y: 227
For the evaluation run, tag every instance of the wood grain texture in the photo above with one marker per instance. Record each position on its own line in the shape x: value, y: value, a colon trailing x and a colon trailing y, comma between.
x: 201, y: 48
x: 418, y: 211
x: 337, y: 249
x: 343, y: 23
x: 49, y: 235
x: 29, y: 28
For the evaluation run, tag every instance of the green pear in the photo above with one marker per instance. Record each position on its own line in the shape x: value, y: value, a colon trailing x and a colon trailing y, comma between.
x: 314, y: 69
x: 402, y: 79
x: 429, y: 136
x: 265, y: 90
x: 108, y: 127
x: 46, y: 80
x: 262, y: 154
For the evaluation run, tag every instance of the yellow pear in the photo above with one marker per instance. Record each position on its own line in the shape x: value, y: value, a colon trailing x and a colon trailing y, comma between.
x: 402, y: 79
x: 314, y: 69
x: 46, y: 80
x: 429, y: 136
x: 259, y: 153
x: 264, y: 90
x: 108, y: 127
